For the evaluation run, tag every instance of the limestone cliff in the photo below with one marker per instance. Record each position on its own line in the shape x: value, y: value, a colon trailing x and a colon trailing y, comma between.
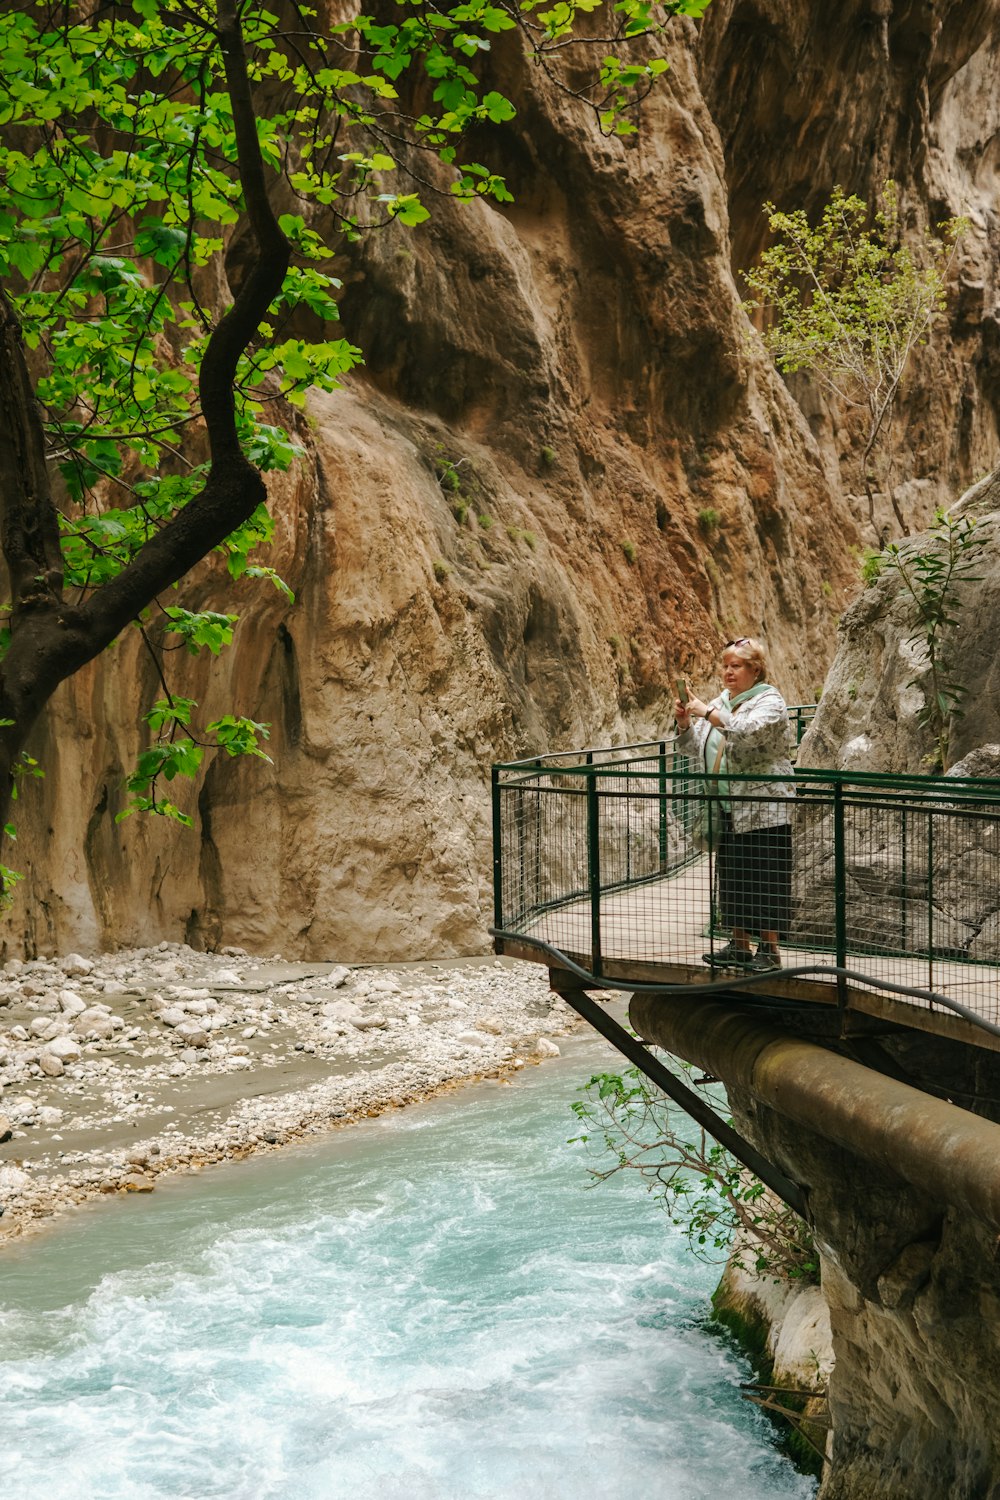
x: 872, y: 716
x: 566, y: 474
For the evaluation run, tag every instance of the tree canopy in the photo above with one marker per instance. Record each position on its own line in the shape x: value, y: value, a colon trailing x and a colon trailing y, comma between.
x: 175, y: 180
x: 849, y: 298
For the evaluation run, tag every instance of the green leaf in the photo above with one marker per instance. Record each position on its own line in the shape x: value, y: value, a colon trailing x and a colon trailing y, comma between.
x: 200, y: 629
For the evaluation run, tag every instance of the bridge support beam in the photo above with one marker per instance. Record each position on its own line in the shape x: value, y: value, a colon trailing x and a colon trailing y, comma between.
x: 692, y: 1104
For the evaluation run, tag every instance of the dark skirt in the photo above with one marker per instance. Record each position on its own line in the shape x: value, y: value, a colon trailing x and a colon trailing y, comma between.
x: 754, y: 873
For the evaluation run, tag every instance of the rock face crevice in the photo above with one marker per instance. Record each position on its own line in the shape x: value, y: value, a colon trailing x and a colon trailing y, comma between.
x: 566, y: 473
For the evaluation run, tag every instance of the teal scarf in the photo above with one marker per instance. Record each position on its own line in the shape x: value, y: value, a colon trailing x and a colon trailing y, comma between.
x: 716, y: 738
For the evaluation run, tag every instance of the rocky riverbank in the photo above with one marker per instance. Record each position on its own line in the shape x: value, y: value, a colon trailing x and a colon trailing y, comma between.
x: 117, y: 1068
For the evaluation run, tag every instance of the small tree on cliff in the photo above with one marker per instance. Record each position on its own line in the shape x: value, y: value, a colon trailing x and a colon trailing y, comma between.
x: 722, y: 1209
x: 849, y: 299
x: 161, y: 159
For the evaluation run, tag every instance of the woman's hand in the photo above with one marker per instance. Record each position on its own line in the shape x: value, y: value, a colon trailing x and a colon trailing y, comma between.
x: 681, y: 714
x: 697, y: 708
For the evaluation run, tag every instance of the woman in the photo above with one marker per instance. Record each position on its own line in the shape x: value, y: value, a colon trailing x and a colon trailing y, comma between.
x: 754, y: 857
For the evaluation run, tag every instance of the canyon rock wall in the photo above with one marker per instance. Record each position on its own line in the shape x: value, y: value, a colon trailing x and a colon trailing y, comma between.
x: 565, y: 475
x: 873, y: 713
x: 891, y: 1135
x: 913, y: 1291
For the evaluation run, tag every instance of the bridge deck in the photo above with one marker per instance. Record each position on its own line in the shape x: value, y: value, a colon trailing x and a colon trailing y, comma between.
x: 656, y: 933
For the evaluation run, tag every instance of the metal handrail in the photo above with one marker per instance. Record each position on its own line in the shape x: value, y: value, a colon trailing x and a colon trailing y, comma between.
x: 883, y: 862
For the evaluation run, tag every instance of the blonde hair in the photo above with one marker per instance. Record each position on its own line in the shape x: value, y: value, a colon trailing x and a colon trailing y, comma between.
x: 750, y: 651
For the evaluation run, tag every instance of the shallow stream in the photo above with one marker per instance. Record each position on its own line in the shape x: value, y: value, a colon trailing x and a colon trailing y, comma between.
x: 428, y: 1306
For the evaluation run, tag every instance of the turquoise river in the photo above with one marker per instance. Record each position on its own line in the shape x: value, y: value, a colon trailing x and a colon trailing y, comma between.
x: 433, y: 1305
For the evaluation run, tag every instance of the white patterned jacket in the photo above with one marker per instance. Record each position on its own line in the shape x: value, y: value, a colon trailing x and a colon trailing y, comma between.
x: 758, y: 739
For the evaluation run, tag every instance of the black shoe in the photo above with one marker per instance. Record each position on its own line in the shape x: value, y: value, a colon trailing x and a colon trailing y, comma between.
x: 732, y: 956
x: 764, y: 961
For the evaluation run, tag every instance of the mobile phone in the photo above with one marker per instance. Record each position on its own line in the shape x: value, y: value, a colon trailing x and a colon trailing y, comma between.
x: 682, y: 691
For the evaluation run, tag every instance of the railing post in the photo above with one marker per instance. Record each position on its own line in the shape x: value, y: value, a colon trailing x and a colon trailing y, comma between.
x: 661, y: 784
x: 594, y: 870
x: 498, y: 913
x: 903, y: 877
x: 930, y: 898
x: 840, y: 894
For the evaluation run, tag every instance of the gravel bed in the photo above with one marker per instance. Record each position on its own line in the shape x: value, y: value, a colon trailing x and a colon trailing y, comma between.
x: 118, y: 1067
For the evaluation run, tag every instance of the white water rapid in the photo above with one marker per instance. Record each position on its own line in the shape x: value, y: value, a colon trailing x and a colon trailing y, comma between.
x: 430, y: 1306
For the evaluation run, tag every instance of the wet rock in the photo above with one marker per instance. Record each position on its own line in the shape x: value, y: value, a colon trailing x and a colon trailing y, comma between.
x: 544, y: 1048
x: 136, y: 1183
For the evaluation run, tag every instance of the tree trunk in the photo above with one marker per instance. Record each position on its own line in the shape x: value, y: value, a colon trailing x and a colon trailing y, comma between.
x: 51, y: 637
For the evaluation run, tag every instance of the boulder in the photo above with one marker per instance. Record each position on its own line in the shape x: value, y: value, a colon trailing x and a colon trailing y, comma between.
x: 13, y: 1180
x: 191, y: 1034
x: 75, y: 963
x: 66, y: 1048
x: 95, y: 1024
x: 136, y: 1183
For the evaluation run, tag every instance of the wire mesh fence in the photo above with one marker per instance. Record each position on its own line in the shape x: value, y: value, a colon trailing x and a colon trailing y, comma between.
x: 633, y: 860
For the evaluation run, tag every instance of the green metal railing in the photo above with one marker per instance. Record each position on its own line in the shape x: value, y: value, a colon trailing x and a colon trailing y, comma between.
x: 894, y: 879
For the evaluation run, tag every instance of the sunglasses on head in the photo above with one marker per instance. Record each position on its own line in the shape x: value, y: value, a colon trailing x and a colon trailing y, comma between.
x: 743, y: 640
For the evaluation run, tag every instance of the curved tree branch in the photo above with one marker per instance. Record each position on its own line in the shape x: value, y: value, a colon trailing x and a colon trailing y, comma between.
x: 61, y: 637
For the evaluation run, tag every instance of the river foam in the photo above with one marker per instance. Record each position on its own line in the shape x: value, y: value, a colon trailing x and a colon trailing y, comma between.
x: 425, y: 1307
